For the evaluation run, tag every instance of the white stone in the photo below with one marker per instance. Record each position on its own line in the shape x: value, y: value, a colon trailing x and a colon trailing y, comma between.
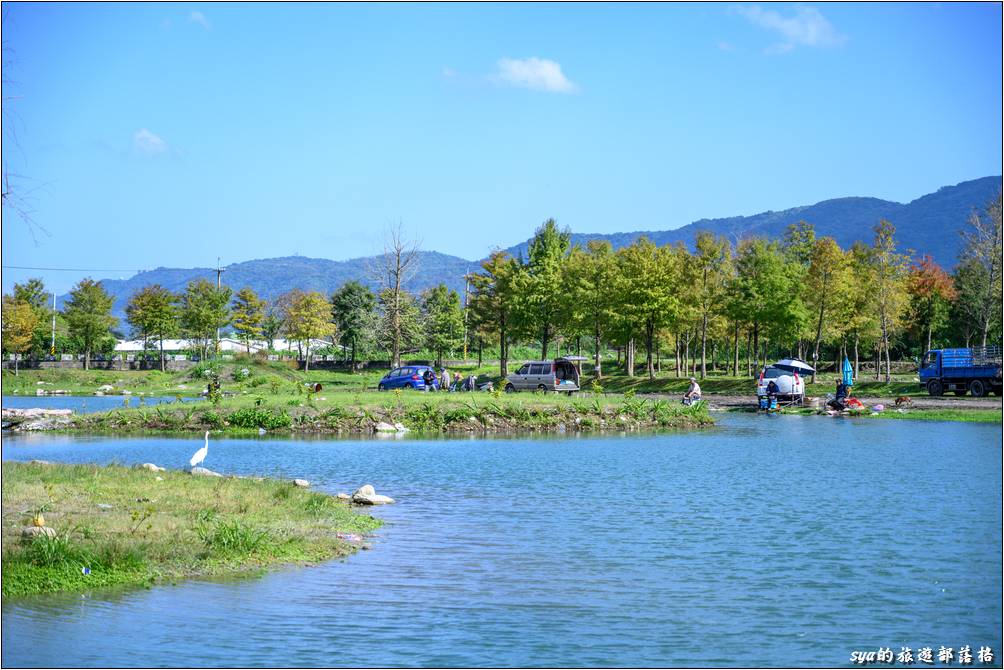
x: 159, y: 478
x: 36, y: 531
x: 371, y: 500
x: 106, y: 387
x: 400, y: 428
x: 365, y: 490
x: 344, y: 496
x: 126, y: 392
x: 152, y: 468
x: 204, y: 472
x: 302, y: 483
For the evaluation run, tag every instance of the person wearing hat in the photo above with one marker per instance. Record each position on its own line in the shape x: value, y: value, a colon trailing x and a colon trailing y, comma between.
x: 693, y: 393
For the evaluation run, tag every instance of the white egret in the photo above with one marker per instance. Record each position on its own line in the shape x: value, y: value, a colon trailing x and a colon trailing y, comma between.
x: 200, y: 455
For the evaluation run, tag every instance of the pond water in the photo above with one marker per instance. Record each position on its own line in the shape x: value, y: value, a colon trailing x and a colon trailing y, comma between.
x: 768, y: 541
x: 86, y: 404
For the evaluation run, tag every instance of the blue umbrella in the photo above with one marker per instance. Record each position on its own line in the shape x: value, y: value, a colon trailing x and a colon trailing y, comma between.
x: 848, y: 373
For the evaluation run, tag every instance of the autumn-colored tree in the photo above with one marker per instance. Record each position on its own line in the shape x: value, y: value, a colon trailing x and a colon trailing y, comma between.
x: 88, y: 313
x: 19, y: 322
x: 152, y: 312
x: 308, y: 318
x: 931, y: 292
x: 247, y: 316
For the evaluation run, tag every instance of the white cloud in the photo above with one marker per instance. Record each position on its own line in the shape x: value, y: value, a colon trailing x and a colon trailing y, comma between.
x: 148, y: 143
x: 806, y: 27
x: 539, y: 74
x: 200, y: 18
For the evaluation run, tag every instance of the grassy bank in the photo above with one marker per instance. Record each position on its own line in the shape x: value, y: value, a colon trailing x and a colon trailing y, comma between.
x: 426, y: 412
x: 127, y: 528
x: 914, y: 414
x: 279, y: 378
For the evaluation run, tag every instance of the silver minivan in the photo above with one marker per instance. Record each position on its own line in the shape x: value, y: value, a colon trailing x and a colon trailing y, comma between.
x: 558, y: 375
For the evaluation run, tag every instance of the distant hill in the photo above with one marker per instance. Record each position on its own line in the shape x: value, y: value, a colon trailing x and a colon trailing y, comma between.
x: 930, y: 224
x: 271, y: 277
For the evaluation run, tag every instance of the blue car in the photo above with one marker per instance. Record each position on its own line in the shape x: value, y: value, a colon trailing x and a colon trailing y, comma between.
x: 410, y: 377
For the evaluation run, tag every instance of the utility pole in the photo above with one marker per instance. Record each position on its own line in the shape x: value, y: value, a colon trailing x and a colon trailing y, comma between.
x: 467, y: 288
x: 52, y: 346
x: 219, y: 273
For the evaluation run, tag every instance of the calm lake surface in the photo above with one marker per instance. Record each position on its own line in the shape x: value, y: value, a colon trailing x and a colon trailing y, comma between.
x: 86, y: 404
x: 768, y: 541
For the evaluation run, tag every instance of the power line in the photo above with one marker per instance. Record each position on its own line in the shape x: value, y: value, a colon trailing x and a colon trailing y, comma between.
x: 25, y: 267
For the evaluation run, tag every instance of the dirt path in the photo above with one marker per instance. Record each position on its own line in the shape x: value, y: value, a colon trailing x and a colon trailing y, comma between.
x: 924, y: 402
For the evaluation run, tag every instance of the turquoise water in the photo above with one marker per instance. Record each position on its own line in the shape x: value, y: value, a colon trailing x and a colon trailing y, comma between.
x: 86, y: 404
x: 769, y: 541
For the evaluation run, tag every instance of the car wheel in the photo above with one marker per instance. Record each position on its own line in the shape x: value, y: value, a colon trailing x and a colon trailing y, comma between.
x: 977, y: 388
x: 409, y: 385
x: 509, y: 388
x: 542, y: 388
x: 381, y: 387
x: 934, y: 387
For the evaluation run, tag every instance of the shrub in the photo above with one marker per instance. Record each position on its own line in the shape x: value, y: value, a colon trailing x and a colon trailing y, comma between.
x: 259, y: 417
x: 212, y: 418
x: 232, y: 538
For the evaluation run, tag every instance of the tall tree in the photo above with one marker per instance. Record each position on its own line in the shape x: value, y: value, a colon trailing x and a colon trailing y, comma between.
x: 495, y: 300
x: 650, y: 281
x: 152, y: 312
x: 19, y: 322
x: 983, y: 249
x: 890, y: 288
x: 32, y: 292
x: 857, y: 310
x: 444, y: 320
x: 248, y: 316
x: 309, y: 318
x: 710, y: 265
x: 588, y: 282
x: 204, y: 309
x: 931, y: 293
x: 824, y: 285
x: 397, y: 265
x: 88, y: 313
x: 400, y: 310
x: 353, y: 311
x: 546, y: 252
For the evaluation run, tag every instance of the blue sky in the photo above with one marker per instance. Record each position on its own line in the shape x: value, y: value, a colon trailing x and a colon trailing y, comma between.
x: 169, y: 134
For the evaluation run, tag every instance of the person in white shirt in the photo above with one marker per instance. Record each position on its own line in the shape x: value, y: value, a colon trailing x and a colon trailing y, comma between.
x: 693, y: 393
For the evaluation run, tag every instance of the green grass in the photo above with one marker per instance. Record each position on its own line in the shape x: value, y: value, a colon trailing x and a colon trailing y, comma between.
x: 359, y: 412
x: 913, y: 414
x: 149, y: 531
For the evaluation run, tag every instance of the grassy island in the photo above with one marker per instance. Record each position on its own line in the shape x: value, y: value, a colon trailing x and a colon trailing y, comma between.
x: 124, y: 526
x: 362, y: 413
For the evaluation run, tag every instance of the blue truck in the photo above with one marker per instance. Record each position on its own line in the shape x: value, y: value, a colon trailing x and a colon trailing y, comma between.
x: 976, y: 370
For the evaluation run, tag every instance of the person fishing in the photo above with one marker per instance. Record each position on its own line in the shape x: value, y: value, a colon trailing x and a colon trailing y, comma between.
x: 444, y: 379
x: 839, y: 398
x: 693, y: 393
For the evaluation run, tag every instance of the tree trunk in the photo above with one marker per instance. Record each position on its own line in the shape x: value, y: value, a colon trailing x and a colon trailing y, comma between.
x: 676, y: 365
x: 163, y: 364
x: 16, y: 356
x: 87, y: 359
x: 857, y: 360
x: 658, y: 358
x: 819, y: 336
x: 598, y: 365
x: 749, y: 365
x: 649, y: 346
x: 544, y: 341
x: 629, y: 357
x: 928, y: 338
x: 756, y: 343
x: 878, y: 359
x: 735, y: 354
x: 686, y: 354
x: 503, y: 362
x: 704, y: 345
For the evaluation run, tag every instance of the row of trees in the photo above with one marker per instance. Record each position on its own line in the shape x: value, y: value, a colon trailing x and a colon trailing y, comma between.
x: 353, y: 313
x: 800, y: 295
x: 724, y: 303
